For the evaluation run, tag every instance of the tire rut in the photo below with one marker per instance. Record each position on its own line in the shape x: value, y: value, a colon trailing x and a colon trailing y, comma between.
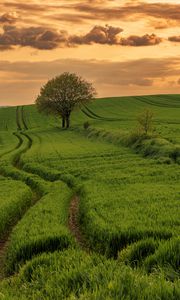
x: 73, y: 220
x: 74, y: 225
x: 23, y: 118
x: 36, y: 196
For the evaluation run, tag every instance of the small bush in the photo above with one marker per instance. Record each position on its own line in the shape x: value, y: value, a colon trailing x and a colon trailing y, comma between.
x: 145, y: 121
x: 86, y: 125
x: 164, y: 160
x: 175, y: 155
x: 135, y: 138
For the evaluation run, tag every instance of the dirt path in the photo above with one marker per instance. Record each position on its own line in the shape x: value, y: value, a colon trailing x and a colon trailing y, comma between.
x: 74, y: 225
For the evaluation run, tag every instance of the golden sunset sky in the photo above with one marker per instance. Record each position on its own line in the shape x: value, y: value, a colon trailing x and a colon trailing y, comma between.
x: 124, y: 47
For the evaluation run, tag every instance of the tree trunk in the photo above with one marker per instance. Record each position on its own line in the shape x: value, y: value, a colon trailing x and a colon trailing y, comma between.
x: 67, y: 121
x: 63, y: 122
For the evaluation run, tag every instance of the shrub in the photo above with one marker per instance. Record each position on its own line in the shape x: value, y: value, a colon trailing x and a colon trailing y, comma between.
x: 86, y: 125
x: 145, y: 121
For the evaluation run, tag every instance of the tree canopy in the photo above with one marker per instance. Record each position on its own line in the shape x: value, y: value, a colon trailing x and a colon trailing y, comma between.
x: 62, y: 94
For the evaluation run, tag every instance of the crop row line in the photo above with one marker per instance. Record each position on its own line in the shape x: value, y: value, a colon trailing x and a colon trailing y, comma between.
x: 89, y: 113
x: 37, y: 194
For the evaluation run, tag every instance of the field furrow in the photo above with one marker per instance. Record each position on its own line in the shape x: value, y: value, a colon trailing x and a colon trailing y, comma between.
x: 54, y: 239
x: 94, y: 214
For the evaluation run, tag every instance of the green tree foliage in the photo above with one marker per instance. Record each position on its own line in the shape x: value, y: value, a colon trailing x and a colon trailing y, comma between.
x: 62, y: 94
x: 145, y: 121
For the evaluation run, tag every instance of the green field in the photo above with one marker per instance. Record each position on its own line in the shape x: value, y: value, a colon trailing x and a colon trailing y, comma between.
x: 91, y: 213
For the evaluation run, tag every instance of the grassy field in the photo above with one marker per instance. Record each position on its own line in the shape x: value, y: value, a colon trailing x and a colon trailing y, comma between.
x: 124, y: 240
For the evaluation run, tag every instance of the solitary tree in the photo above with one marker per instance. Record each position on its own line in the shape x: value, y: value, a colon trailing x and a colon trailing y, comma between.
x: 62, y: 94
x: 145, y: 121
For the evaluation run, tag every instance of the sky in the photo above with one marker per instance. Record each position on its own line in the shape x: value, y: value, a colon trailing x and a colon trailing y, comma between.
x: 124, y: 47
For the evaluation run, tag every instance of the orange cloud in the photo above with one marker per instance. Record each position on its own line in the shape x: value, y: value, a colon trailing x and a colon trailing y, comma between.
x: 145, y: 40
x: 47, y: 39
x: 174, y: 38
x: 36, y: 37
x: 110, y: 78
x: 99, y: 35
x: 101, y: 10
x: 157, y: 10
x: 8, y: 18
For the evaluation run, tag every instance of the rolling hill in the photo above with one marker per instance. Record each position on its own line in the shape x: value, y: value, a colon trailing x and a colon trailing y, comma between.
x: 91, y: 213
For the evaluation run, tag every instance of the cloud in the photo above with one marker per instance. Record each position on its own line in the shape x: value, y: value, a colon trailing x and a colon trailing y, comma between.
x: 157, y: 10
x: 159, y: 15
x: 160, y: 10
x: 110, y: 35
x: 145, y: 40
x: 35, y: 37
x: 8, y: 18
x: 110, y: 78
x: 103, y: 10
x: 28, y: 6
x: 174, y: 38
x: 162, y: 23
x: 47, y: 39
x: 99, y: 35
x: 70, y: 18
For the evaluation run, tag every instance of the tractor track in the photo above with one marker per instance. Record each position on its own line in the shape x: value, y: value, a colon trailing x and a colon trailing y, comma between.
x: 89, y: 113
x: 20, y: 141
x: 74, y: 225
x: 36, y: 196
x: 73, y: 220
x: 23, y: 118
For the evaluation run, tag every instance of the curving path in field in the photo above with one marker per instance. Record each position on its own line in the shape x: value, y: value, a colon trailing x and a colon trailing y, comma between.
x: 74, y: 225
x: 73, y: 222
x: 35, y: 195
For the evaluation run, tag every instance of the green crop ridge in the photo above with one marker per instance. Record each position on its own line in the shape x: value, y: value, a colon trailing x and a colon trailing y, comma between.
x: 73, y: 275
x: 20, y: 249
x: 158, y: 103
x: 37, y: 232
x: 128, y: 213
x: 156, y: 147
x: 12, y: 208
